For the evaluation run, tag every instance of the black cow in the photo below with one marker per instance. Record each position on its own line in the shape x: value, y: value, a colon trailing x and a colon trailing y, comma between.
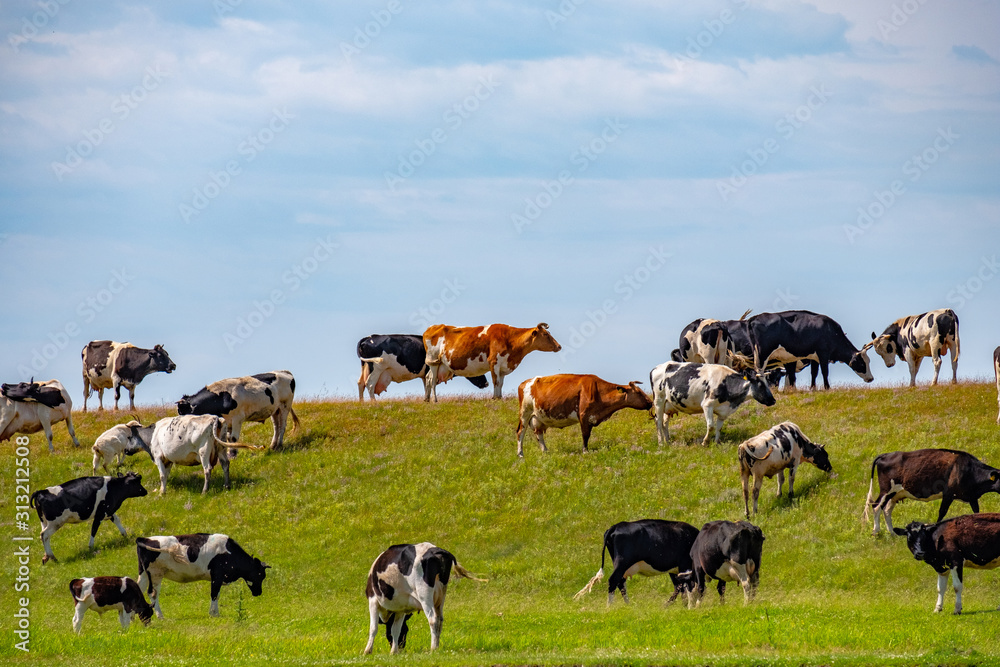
x: 108, y: 364
x: 388, y: 358
x: 971, y: 541
x: 79, y: 500
x: 725, y: 551
x: 648, y: 547
x: 200, y: 557
x: 104, y: 593
x: 928, y: 474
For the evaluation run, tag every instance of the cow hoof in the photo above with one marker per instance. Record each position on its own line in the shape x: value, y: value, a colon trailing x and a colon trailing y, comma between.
x: 957, y: 612
x: 45, y: 559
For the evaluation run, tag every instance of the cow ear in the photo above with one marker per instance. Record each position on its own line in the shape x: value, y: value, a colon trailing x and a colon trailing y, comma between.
x: 899, y: 531
x: 873, y: 336
x: 994, y: 476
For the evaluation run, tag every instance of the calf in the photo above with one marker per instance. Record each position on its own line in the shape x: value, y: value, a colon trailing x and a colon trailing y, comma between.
x: 79, y: 500
x: 928, y: 474
x: 725, y: 551
x: 108, y: 364
x: 200, y: 557
x: 648, y: 547
x: 769, y: 453
x: 103, y: 593
x: 396, y: 358
x: 912, y: 338
x: 407, y: 579
x: 30, y: 407
x: 714, y: 390
x: 558, y: 401
x: 971, y: 541
x: 114, y: 445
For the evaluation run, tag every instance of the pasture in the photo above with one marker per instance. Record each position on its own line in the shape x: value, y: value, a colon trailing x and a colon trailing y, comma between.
x: 356, y: 478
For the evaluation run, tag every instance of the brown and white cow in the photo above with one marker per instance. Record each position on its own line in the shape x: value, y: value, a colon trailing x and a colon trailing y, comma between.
x: 914, y: 337
x: 30, y: 407
x: 971, y: 541
x: 472, y: 351
x: 770, y: 453
x: 108, y: 364
x: 558, y: 401
x: 102, y: 594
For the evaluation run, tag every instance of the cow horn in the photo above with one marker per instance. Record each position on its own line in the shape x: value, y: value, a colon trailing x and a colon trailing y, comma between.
x: 745, y: 314
x: 543, y: 325
x: 866, y: 346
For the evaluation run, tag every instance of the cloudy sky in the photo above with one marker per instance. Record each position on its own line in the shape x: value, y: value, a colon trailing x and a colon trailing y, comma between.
x: 257, y: 185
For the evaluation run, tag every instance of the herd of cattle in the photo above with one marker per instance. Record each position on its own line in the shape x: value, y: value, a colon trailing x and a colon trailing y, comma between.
x: 717, y: 366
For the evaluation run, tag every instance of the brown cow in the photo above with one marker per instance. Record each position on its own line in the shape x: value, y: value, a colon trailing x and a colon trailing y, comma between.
x: 558, y: 401
x: 471, y: 351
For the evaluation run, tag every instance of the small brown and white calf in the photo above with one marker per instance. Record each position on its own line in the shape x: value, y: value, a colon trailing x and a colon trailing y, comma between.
x: 770, y: 453
x: 105, y: 593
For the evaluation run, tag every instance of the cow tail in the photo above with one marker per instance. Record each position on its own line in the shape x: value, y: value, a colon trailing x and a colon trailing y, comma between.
x: 465, y: 574
x: 240, y: 445
x: 871, y: 484
x: 31, y: 501
x: 295, y: 420
x: 600, y: 573
x: 747, y: 457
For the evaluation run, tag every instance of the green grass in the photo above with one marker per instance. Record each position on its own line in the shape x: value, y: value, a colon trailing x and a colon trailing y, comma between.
x: 355, y: 479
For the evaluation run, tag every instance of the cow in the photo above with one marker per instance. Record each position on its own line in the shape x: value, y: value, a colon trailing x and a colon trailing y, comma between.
x: 83, y: 499
x: 406, y: 579
x: 912, y: 338
x: 215, y: 557
x: 712, y: 389
x: 108, y: 364
x: 996, y: 372
x: 928, y: 474
x: 252, y: 398
x: 801, y: 335
x: 114, y: 445
x: 770, y: 453
x: 104, y: 593
x: 558, y: 401
x: 725, y: 551
x: 705, y: 341
x: 471, y: 351
x: 30, y: 407
x: 395, y: 358
x: 649, y: 547
x: 972, y: 541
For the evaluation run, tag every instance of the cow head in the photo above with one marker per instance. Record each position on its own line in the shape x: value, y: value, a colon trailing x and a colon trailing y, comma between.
x: 542, y: 340
x: 22, y: 391
x: 137, y: 434
x: 758, y: 388
x: 136, y: 603
x: 860, y: 364
x: 885, y: 347
x: 159, y: 360
x: 918, y: 539
x: 635, y: 397
x: 132, y: 486
x: 184, y: 406
x: 816, y: 455
x: 255, y: 577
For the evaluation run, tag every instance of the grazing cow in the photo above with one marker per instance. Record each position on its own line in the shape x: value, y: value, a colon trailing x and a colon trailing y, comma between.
x: 200, y: 557
x: 912, y: 338
x: 558, y: 401
x: 705, y: 341
x: 471, y: 351
x: 928, y: 474
x: 108, y: 364
x: 395, y: 358
x: 800, y: 335
x: 114, y: 445
x: 252, y: 398
x: 103, y: 593
x: 648, y: 547
x: 715, y: 390
x: 407, y: 579
x: 30, y: 407
x: 725, y: 551
x: 769, y: 453
x: 996, y: 372
x: 79, y: 500
x: 972, y: 541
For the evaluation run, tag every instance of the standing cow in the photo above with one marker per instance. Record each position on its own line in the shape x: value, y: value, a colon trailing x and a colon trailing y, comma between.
x: 105, y: 593
x: 770, y: 453
x: 108, y: 364
x: 472, y: 351
x: 725, y: 551
x: 114, y: 445
x: 705, y: 341
x: 30, y: 407
x: 912, y: 338
x: 714, y: 390
x: 396, y: 358
x: 558, y: 401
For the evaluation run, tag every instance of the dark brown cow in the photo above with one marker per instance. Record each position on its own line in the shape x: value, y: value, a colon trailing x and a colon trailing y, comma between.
x: 928, y: 474
x: 558, y: 401
x: 472, y: 351
x: 105, y: 593
x: 971, y: 541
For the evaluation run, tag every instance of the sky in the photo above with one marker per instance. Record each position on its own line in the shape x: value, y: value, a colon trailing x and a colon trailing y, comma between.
x: 258, y: 185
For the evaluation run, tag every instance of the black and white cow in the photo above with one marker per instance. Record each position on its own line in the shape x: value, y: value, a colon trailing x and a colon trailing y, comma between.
x: 252, y: 398
x: 705, y: 341
x: 82, y: 499
x: 396, y: 358
x: 406, y: 579
x: 30, y: 407
x: 725, y: 551
x: 773, y: 451
x: 912, y: 338
x: 213, y: 557
x: 108, y: 364
x: 714, y: 390
x: 102, y: 594
x: 970, y: 541
x: 648, y: 547
x: 800, y: 335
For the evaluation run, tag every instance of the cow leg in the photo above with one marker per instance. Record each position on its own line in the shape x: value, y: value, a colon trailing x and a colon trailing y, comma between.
x: 78, y: 613
x: 224, y: 462
x: 213, y: 609
x: 663, y: 434
x: 722, y: 591
x: 154, y: 595
x: 942, y: 588
x: 118, y: 392
x: 673, y: 580
x: 745, y: 483
x: 206, y: 468
x: 47, y: 427
x: 430, y: 383
x: 100, y: 400
x: 396, y: 631
x: 164, y: 469
x: 824, y: 368
x: 279, y: 420
x: 131, y: 397
x: 813, y: 372
x: 791, y: 483
x: 118, y: 524
x: 86, y: 391
x: 48, y: 530
x: 953, y: 351
x: 974, y: 504
x: 539, y: 431
x: 936, y: 360
x: 497, y: 383
x: 889, y: 506
x: 758, y: 481
x: 617, y: 582
x: 363, y: 382
x: 790, y: 377
x: 710, y: 422
x: 72, y: 431
x: 781, y: 481
x: 956, y: 581
x: 913, y: 362
x: 98, y: 517
x: 124, y: 618
x: 434, y: 614
x: 945, y: 504
x: 372, y: 623
x: 585, y: 429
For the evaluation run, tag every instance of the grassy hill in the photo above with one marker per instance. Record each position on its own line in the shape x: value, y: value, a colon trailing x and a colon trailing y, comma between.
x: 356, y: 478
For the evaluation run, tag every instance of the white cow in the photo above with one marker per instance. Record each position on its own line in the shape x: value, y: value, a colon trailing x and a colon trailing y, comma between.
x: 22, y: 412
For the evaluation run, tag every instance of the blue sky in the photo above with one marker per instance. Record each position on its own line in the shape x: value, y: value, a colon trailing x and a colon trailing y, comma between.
x: 257, y: 185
